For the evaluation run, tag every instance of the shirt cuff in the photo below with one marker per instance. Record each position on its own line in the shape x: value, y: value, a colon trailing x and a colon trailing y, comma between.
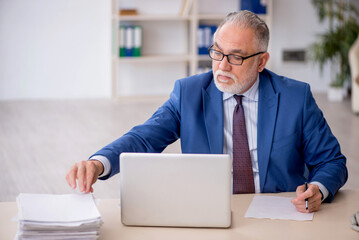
x: 322, y: 188
x: 105, y: 162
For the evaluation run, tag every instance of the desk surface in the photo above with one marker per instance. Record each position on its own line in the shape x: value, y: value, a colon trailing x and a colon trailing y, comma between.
x: 331, y: 222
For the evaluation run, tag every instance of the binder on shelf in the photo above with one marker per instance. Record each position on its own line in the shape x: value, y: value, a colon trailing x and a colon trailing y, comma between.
x: 130, y: 43
x: 200, y: 39
x: 137, y: 46
x: 256, y: 6
x: 205, y: 38
x: 122, y: 41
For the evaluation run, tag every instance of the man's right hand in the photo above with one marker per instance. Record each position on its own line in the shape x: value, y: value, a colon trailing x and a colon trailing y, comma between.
x: 86, y: 174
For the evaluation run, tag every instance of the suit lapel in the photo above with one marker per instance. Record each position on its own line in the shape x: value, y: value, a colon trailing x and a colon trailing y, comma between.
x: 213, y: 117
x: 267, y: 115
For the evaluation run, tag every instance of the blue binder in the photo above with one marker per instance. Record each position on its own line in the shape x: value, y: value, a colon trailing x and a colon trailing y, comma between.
x: 205, y: 38
x: 254, y: 6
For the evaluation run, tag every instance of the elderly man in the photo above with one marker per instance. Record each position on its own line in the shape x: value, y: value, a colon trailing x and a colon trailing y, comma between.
x: 269, y: 124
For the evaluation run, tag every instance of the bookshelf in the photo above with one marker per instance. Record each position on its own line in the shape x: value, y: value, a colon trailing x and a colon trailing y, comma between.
x: 169, y: 45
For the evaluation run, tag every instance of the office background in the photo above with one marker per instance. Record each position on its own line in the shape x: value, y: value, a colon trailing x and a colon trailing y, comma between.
x: 61, y: 49
x: 55, y: 88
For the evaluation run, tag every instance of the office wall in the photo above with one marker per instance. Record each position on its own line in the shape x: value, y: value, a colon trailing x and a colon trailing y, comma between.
x: 295, y: 25
x: 52, y: 49
x: 61, y: 49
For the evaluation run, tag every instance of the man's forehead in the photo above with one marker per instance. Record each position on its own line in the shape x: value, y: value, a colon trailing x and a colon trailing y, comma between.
x: 237, y: 50
x: 234, y: 39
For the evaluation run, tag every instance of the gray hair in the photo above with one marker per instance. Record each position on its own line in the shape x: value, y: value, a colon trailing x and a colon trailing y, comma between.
x: 247, y: 19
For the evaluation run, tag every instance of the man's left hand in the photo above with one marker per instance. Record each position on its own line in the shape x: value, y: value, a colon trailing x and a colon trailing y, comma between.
x: 313, y: 195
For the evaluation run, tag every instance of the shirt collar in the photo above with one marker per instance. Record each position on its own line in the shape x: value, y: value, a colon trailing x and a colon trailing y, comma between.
x: 251, y: 93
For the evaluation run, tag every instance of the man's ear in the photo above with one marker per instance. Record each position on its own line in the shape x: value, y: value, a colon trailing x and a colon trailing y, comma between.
x: 263, y: 59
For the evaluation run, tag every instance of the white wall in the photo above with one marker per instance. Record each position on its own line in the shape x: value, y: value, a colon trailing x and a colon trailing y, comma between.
x: 295, y: 26
x: 55, y: 49
x: 61, y: 49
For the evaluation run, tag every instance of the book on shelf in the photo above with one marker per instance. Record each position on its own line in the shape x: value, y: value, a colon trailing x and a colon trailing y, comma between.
x: 205, y: 38
x: 256, y: 6
x: 130, y: 41
x: 127, y: 12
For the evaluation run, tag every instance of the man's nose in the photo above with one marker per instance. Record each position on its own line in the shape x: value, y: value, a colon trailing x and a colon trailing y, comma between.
x: 225, y: 65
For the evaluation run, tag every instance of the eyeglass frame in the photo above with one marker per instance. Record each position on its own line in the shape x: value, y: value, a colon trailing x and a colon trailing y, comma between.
x: 227, y: 55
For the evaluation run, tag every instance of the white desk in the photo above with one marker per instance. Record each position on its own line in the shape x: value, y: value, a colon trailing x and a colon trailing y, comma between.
x: 331, y: 222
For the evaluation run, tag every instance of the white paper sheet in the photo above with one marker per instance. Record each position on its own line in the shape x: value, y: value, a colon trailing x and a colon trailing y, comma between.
x: 57, y: 208
x: 275, y: 208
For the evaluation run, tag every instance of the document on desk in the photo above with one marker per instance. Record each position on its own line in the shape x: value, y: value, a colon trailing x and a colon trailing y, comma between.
x: 48, y: 216
x: 275, y: 208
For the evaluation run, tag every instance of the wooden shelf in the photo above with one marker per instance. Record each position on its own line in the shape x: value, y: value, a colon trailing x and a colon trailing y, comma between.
x: 154, y: 18
x: 203, y: 58
x: 151, y: 18
x: 158, y: 58
x: 218, y: 17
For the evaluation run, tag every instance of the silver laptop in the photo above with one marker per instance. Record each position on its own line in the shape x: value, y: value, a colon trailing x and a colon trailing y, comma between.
x: 180, y: 190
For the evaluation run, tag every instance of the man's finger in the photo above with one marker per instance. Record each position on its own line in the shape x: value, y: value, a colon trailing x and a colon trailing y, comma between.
x: 310, y: 192
x: 299, y: 206
x: 314, y: 206
x: 81, y: 176
x: 71, y: 177
x: 300, y: 189
x: 90, y: 175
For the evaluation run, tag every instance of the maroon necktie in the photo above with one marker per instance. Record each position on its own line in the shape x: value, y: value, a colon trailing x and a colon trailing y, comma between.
x: 243, y: 181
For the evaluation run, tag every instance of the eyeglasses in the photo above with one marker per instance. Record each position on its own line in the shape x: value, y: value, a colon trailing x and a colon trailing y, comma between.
x: 231, y: 58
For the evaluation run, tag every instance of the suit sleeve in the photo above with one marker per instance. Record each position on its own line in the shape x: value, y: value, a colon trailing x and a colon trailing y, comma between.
x: 160, y: 130
x: 321, y: 149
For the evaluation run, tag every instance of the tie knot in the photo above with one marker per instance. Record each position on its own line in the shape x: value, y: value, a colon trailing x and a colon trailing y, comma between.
x: 238, y: 99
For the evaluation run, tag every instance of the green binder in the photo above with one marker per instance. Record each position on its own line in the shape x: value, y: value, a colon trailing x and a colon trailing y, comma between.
x: 122, y: 41
x: 137, y: 46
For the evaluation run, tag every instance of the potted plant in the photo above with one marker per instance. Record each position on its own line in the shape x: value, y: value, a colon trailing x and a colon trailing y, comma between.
x: 333, y: 46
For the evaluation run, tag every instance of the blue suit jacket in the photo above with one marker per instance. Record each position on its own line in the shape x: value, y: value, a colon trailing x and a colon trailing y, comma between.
x: 293, y: 135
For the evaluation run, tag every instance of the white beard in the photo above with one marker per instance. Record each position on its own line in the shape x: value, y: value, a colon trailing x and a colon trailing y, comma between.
x: 235, y: 88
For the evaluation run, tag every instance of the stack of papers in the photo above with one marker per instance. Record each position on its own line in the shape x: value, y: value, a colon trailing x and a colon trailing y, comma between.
x: 70, y: 216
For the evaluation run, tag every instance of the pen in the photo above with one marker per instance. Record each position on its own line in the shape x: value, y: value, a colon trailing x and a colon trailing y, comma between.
x: 306, y: 200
